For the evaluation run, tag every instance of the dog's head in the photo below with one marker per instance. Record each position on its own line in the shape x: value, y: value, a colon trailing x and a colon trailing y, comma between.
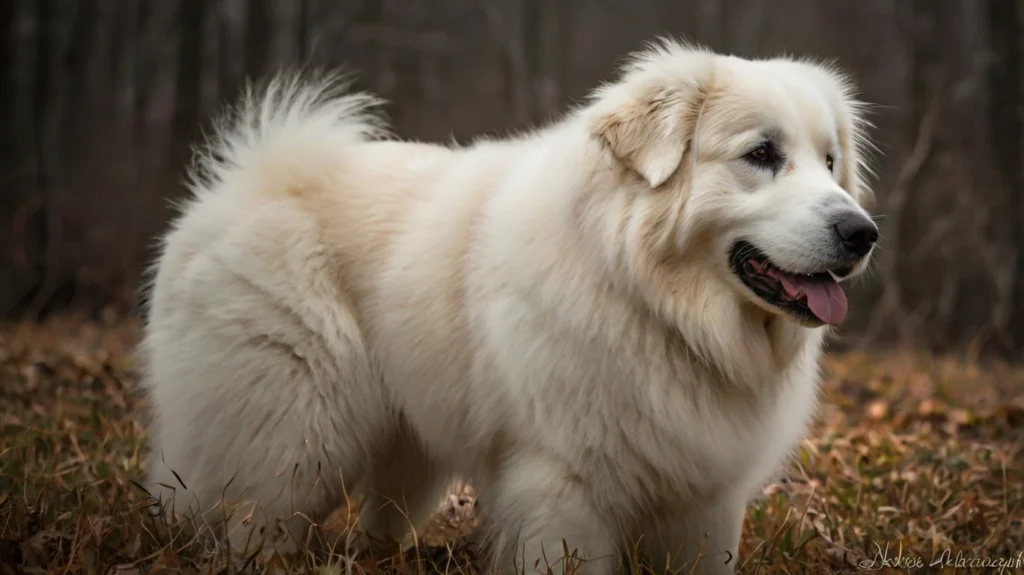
x: 753, y: 169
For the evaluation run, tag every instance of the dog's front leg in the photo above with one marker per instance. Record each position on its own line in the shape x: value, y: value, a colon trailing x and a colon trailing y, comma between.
x: 703, y: 540
x: 536, y: 510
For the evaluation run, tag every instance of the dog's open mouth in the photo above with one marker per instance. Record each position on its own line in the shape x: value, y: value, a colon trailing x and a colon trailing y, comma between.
x: 814, y: 298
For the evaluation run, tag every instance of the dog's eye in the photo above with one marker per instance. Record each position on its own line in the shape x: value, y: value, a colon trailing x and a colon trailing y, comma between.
x: 765, y: 155
x: 828, y: 162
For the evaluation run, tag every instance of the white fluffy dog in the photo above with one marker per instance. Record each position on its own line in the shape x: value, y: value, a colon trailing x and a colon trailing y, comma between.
x: 611, y: 324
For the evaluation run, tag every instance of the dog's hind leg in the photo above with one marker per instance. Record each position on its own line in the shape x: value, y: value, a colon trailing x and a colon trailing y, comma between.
x: 258, y: 432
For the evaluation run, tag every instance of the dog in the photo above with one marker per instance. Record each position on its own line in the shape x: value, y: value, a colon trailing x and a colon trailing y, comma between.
x: 610, y: 324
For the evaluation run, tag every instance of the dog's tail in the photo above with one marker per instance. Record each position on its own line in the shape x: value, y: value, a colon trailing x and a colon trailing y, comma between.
x: 285, y: 135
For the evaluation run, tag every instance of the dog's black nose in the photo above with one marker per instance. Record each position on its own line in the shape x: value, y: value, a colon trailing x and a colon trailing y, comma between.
x: 857, y: 233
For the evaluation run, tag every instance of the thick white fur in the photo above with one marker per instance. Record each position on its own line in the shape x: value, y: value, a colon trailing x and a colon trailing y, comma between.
x: 550, y: 315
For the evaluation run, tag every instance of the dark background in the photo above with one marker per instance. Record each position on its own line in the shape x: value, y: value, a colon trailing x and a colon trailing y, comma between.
x: 100, y: 100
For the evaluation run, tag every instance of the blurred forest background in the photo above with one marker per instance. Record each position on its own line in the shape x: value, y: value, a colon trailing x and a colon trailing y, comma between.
x: 101, y: 100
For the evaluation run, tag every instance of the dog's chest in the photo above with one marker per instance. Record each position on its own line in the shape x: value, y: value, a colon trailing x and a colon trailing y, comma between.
x: 634, y: 412
x: 667, y: 434
x: 698, y: 440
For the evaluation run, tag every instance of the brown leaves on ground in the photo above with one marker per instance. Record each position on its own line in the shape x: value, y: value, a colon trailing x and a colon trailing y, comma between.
x: 914, y: 465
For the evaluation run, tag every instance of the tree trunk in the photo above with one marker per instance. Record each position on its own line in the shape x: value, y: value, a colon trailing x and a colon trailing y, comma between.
x: 188, y: 86
x: 1005, y: 121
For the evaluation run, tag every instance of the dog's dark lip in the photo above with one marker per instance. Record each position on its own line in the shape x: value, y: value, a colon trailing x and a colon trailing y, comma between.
x: 842, y: 272
x: 743, y: 252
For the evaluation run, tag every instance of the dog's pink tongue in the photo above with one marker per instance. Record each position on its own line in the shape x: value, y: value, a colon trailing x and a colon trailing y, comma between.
x: 824, y: 296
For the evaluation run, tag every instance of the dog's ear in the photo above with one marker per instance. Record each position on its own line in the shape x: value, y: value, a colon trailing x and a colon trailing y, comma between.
x: 648, y: 129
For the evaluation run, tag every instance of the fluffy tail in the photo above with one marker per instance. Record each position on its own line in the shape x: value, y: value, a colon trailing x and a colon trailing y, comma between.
x: 285, y: 134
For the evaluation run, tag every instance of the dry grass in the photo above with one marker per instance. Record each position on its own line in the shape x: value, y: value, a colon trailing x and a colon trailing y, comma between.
x: 917, y: 453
